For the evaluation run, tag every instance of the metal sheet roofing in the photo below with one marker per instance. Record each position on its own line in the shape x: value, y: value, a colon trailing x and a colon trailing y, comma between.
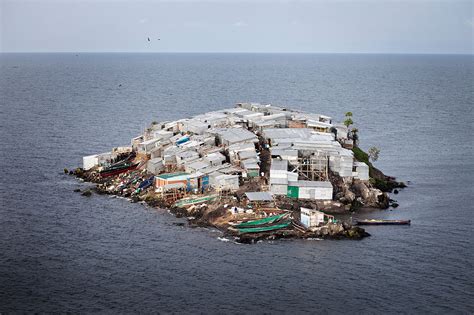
x: 308, y: 183
x: 197, y: 165
x: 247, y: 154
x: 171, y: 175
x: 282, y: 133
x: 259, y: 196
x: 284, y: 152
x: 281, y: 165
x: 234, y: 135
x: 278, y: 181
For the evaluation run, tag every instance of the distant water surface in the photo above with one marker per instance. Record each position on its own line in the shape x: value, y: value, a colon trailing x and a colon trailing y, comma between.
x: 60, y: 252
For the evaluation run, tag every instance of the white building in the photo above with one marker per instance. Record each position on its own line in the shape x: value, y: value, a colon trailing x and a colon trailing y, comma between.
x: 305, y: 189
x: 155, y: 166
x: 215, y: 158
x: 361, y: 171
x: 279, y: 177
x: 229, y: 136
x: 224, y: 181
x: 91, y: 161
x: 311, y: 218
x: 146, y: 147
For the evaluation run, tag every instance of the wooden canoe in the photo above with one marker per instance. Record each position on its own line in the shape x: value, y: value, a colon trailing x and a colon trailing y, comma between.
x: 383, y: 222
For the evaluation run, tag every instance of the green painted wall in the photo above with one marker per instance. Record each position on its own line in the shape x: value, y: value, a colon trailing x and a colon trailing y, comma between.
x: 293, y: 192
x: 253, y: 174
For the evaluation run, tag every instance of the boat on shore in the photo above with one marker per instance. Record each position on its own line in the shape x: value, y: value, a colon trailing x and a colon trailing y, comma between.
x: 263, y: 228
x: 267, y: 220
x: 193, y: 201
x: 118, y: 169
x: 383, y: 222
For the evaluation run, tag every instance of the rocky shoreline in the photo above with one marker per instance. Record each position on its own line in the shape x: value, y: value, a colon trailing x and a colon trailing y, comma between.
x: 254, y: 165
x: 211, y: 214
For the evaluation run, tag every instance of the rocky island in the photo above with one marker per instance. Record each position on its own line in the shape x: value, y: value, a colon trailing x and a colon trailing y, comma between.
x: 254, y: 171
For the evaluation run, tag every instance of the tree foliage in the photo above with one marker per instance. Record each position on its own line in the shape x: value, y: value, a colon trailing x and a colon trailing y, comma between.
x: 374, y: 153
x: 348, y: 122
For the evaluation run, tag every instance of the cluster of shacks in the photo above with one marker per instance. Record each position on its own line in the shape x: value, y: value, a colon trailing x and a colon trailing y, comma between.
x: 220, y: 150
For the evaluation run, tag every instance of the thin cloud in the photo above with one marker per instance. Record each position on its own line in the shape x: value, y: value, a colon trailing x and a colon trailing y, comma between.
x: 239, y: 24
x: 470, y: 22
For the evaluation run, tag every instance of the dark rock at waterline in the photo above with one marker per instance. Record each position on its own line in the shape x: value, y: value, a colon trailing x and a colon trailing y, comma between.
x: 331, y: 231
x: 356, y: 233
x: 77, y: 190
x: 179, y: 212
x: 383, y: 201
x: 101, y: 190
x: 179, y: 223
x: 394, y: 205
x: 346, y: 225
x: 395, y: 191
x: 79, y: 172
x: 87, y: 193
x: 66, y: 171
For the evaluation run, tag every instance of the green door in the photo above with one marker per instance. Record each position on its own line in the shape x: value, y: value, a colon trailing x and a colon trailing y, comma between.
x: 293, y: 192
x: 253, y: 173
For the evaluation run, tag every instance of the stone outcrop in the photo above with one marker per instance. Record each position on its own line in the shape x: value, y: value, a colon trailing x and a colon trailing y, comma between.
x: 335, y: 231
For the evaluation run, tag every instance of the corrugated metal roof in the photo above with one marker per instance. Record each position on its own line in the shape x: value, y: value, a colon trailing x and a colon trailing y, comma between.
x: 284, y: 133
x: 233, y: 135
x: 155, y: 161
x: 197, y: 165
x: 149, y: 141
x: 227, y: 177
x: 250, y: 164
x: 242, y: 147
x: 259, y: 196
x: 284, y: 152
x: 216, y: 156
x: 247, y: 154
x: 278, y: 181
x: 280, y: 165
x: 308, y: 183
x: 171, y: 175
x: 187, y: 154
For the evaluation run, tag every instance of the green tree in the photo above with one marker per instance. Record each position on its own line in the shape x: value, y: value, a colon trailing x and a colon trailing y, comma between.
x: 349, y: 114
x: 348, y: 122
x: 374, y: 153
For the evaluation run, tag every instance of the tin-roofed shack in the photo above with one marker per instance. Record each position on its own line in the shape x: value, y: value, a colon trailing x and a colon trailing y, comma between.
x: 259, y: 196
x: 229, y: 136
x: 269, y: 154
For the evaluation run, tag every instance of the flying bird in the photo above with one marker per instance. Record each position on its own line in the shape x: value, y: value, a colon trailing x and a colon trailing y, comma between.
x: 148, y: 38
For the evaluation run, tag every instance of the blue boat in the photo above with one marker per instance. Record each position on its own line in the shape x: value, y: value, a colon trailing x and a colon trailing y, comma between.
x: 146, y: 183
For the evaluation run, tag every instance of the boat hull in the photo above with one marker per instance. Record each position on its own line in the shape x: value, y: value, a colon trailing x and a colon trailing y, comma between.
x: 255, y: 223
x: 108, y: 173
x: 383, y: 222
x: 264, y: 228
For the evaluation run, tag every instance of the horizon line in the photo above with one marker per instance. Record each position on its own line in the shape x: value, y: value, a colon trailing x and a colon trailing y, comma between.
x: 236, y: 52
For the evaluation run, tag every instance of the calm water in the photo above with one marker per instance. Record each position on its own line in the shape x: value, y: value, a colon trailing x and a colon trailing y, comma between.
x: 63, y: 252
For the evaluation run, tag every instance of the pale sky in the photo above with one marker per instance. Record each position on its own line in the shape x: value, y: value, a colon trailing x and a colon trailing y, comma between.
x: 321, y: 26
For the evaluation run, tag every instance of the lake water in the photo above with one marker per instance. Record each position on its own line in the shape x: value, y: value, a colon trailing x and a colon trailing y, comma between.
x: 61, y: 252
